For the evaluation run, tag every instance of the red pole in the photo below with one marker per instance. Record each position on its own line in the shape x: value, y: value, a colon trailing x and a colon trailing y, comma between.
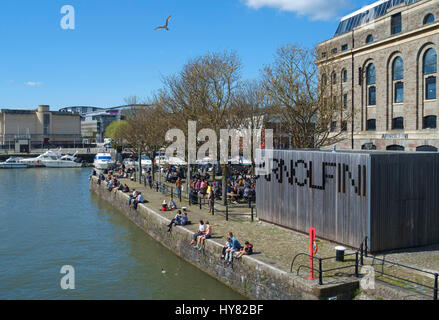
x: 312, y: 235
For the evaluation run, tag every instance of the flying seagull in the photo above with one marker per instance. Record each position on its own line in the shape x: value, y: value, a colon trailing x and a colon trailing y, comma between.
x: 165, y: 26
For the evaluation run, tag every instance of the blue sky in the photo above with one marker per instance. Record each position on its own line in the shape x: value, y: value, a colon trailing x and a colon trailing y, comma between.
x: 114, y: 53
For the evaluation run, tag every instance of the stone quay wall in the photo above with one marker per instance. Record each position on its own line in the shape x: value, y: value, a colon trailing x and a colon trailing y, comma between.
x: 249, y: 276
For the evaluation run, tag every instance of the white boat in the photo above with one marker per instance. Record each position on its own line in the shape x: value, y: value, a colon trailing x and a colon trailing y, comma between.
x: 129, y: 162
x: 13, y: 163
x: 205, y: 160
x: 38, y: 161
x: 103, y: 161
x: 146, y: 162
x: 175, y: 161
x: 67, y: 161
x: 162, y: 160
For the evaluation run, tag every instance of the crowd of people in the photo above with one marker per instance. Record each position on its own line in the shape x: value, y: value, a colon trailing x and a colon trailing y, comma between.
x: 240, y: 187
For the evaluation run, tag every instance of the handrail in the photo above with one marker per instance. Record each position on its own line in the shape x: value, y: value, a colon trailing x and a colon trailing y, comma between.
x: 300, y: 254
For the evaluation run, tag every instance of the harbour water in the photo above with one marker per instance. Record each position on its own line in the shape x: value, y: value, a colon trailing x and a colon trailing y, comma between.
x: 48, y: 219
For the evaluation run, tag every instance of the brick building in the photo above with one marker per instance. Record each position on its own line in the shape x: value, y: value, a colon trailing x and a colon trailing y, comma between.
x: 383, y: 67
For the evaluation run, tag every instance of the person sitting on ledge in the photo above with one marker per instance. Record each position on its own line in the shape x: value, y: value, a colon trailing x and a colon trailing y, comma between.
x: 164, y: 206
x: 207, y: 235
x: 175, y: 221
x: 132, y: 197
x: 227, y: 247
x: 247, y: 250
x: 200, y: 232
x: 184, y: 219
x: 171, y: 204
x: 126, y: 188
x: 136, y: 201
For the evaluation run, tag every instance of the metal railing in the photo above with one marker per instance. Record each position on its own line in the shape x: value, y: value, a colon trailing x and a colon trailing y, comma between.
x: 360, y: 254
x: 320, y: 261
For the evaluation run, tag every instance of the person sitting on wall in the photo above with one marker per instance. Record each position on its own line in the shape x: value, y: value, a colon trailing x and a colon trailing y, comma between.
x: 184, y: 219
x: 228, y: 246
x: 126, y: 189
x: 164, y: 206
x: 175, y: 221
x: 236, y: 247
x: 207, y: 235
x: 247, y: 250
x: 171, y: 204
x: 138, y: 200
x: 200, y: 232
x: 132, y: 197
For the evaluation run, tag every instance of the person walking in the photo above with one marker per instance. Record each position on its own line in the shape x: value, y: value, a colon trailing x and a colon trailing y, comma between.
x: 178, y: 185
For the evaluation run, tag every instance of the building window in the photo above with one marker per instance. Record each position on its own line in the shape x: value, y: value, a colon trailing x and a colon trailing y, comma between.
x: 430, y: 88
x: 395, y: 147
x: 344, y: 126
x: 371, y: 125
x: 426, y: 148
x: 368, y: 146
x: 344, y: 47
x: 345, y: 75
x: 430, y: 62
x: 370, y: 74
x: 398, y: 123
x: 429, y: 18
x: 429, y: 122
x: 398, y: 69
x: 371, y: 99
x: 333, y: 126
x: 396, y: 24
x: 46, y: 124
x: 324, y: 80
x: 399, y: 92
x: 345, y: 100
x: 334, y: 102
x: 323, y: 55
x: 334, y: 78
x: 369, y: 39
x: 334, y: 51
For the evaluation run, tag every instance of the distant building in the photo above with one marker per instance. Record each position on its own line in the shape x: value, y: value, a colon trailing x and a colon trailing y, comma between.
x: 383, y: 67
x: 82, y: 110
x: 25, y: 129
x: 96, y: 120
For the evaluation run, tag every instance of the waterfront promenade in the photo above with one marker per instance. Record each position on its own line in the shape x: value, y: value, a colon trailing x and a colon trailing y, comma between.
x: 276, y: 246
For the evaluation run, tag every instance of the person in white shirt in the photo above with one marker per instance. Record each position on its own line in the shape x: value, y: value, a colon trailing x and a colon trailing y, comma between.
x: 201, y: 231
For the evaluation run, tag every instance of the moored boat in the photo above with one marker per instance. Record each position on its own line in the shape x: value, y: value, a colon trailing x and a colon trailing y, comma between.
x: 38, y: 161
x: 66, y: 161
x: 13, y: 163
x: 103, y: 161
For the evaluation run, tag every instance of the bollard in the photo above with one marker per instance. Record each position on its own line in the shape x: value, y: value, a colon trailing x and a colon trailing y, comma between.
x: 356, y: 264
x: 320, y: 272
x: 172, y: 192
x: 361, y: 256
x: 249, y: 203
x: 144, y: 182
x: 199, y: 201
x: 213, y: 206
x: 435, y: 286
x: 157, y: 187
x: 252, y: 214
x: 227, y: 211
x: 179, y: 196
x: 365, y: 249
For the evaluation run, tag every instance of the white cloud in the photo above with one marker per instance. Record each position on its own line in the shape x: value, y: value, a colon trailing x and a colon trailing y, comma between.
x: 317, y: 9
x: 33, y: 83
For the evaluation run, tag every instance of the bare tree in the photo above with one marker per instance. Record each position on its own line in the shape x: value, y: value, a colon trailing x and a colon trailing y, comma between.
x: 204, y: 91
x: 304, y: 106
